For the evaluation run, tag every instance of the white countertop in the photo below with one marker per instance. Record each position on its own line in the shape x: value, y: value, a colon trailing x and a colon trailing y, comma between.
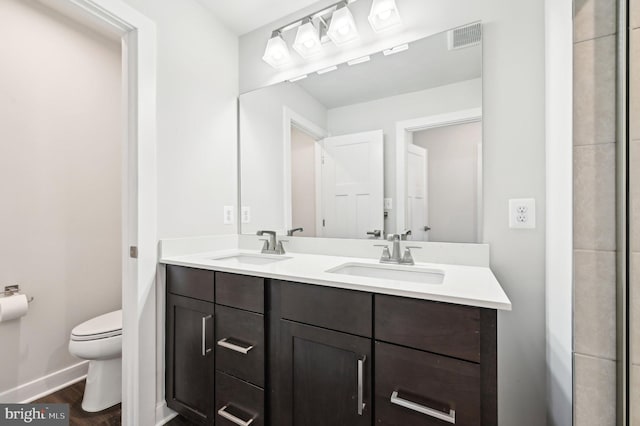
x: 464, y: 285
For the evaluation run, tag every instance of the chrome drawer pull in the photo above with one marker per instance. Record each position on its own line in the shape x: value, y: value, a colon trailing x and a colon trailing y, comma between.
x: 361, y: 385
x: 205, y: 350
x: 449, y: 418
x: 233, y: 419
x: 226, y: 344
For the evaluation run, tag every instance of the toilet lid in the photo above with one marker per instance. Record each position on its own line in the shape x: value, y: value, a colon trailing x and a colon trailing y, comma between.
x: 107, y: 325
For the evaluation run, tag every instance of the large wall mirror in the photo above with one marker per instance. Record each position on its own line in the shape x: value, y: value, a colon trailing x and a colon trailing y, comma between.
x: 388, y: 143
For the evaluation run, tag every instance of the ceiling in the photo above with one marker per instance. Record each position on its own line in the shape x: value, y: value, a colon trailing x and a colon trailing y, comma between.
x: 243, y: 16
x: 428, y: 63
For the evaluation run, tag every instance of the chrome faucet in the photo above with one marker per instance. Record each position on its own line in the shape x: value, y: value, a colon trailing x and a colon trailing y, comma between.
x: 394, y: 255
x: 271, y: 245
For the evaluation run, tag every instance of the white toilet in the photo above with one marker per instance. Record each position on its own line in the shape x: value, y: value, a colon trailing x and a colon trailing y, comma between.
x: 99, y: 340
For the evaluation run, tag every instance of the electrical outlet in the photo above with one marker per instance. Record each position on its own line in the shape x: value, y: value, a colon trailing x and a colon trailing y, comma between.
x: 246, y: 214
x: 522, y: 213
x: 388, y: 203
x: 228, y: 215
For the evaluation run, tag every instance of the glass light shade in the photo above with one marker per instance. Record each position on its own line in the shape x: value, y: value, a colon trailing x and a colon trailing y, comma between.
x: 307, y: 42
x: 342, y: 28
x: 277, y: 53
x: 384, y: 15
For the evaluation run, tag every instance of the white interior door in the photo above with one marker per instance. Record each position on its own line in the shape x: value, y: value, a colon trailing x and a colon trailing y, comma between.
x: 352, y: 185
x: 417, y: 211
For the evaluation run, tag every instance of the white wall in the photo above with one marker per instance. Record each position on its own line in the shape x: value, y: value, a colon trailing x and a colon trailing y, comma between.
x: 197, y: 88
x: 60, y: 168
x: 262, y: 150
x: 452, y: 180
x: 514, y: 164
x: 385, y: 113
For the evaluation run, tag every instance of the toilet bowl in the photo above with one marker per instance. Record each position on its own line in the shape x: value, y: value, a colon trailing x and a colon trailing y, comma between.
x: 99, y: 340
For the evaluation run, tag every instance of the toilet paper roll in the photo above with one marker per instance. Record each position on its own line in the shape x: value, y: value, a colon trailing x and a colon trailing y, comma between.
x: 12, y: 307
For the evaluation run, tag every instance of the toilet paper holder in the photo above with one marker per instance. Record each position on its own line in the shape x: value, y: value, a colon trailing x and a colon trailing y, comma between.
x: 11, y: 290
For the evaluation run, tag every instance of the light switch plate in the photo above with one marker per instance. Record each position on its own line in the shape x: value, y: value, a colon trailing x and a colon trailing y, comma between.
x: 388, y: 203
x: 246, y: 214
x: 522, y: 213
x: 228, y: 215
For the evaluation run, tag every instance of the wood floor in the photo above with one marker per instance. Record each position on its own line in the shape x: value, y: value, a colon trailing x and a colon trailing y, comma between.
x: 72, y: 395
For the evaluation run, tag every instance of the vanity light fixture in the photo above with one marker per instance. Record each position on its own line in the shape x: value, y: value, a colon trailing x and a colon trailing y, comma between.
x: 326, y: 70
x: 342, y: 29
x: 277, y: 53
x: 384, y: 15
x: 395, y: 50
x: 307, y: 42
x: 359, y: 60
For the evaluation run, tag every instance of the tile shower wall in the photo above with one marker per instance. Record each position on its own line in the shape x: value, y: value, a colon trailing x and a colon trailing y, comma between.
x: 634, y: 217
x: 595, y: 35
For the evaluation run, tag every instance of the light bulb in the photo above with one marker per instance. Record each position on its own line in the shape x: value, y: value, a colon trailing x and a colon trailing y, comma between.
x: 384, y: 15
x: 342, y: 29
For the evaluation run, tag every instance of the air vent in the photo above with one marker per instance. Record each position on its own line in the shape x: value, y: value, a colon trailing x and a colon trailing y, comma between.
x: 467, y: 36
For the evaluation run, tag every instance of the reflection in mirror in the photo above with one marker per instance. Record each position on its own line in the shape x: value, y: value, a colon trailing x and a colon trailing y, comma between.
x: 383, y: 144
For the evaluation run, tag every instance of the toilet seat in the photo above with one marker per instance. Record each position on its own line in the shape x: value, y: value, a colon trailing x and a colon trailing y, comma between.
x: 101, y: 327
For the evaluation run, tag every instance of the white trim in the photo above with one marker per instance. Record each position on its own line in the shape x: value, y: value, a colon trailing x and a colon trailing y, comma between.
x: 559, y: 210
x: 164, y: 414
x: 318, y: 188
x: 291, y: 118
x: 403, y: 128
x: 46, y: 385
x: 139, y: 207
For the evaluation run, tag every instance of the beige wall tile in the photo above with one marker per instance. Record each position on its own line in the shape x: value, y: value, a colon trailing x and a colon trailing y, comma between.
x: 594, y: 200
x: 595, y: 303
x: 594, y: 91
x: 634, y: 85
x: 594, y: 18
x: 595, y: 391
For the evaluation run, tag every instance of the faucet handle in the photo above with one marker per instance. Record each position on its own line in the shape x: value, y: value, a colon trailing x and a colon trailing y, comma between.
x: 386, y: 255
x: 407, y: 258
x: 265, y: 246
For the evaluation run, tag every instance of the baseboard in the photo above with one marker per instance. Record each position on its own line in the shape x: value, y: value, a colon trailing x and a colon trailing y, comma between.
x: 164, y: 414
x: 46, y: 385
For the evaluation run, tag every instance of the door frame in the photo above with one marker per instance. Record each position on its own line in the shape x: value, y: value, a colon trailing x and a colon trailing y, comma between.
x: 404, y: 136
x: 137, y: 34
x: 291, y: 118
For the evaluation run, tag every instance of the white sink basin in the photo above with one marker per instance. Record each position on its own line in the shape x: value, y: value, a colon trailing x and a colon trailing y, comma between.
x: 412, y: 274
x: 250, y: 259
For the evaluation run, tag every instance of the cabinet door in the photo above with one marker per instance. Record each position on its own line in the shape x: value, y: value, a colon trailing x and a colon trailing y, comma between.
x: 190, y: 362
x: 324, y: 377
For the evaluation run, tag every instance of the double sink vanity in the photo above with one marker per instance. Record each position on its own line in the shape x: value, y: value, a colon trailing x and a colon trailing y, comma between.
x: 315, y: 339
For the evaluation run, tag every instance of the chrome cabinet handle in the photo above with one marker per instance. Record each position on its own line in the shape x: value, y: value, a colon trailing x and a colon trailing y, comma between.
x: 233, y: 419
x: 361, y: 385
x: 226, y: 344
x: 205, y: 351
x: 449, y: 418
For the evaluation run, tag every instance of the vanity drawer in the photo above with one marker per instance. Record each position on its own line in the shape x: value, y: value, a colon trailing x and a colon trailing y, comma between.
x: 190, y: 282
x: 240, y: 291
x: 426, y: 389
x: 336, y: 309
x: 442, y: 328
x: 240, y: 344
x: 238, y: 399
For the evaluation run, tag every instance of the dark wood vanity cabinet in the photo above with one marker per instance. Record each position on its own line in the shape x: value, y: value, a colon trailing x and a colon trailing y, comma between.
x: 190, y: 373
x: 291, y: 354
